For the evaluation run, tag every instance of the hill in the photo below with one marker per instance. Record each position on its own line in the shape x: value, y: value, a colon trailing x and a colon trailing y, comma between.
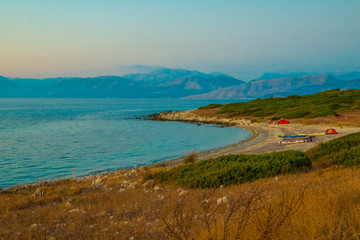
x: 327, y: 103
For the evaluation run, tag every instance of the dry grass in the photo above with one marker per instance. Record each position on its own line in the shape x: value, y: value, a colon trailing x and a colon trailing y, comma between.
x: 323, y: 204
x: 345, y: 118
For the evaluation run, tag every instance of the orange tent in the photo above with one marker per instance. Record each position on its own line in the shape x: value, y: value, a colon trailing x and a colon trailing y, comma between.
x: 331, y: 131
x: 284, y: 121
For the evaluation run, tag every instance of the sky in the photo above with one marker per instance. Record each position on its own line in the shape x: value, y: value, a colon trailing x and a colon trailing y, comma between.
x: 242, y: 38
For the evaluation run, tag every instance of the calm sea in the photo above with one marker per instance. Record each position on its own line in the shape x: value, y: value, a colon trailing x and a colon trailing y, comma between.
x: 50, y: 138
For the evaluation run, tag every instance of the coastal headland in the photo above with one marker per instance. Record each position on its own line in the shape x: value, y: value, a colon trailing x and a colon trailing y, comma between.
x: 264, y: 138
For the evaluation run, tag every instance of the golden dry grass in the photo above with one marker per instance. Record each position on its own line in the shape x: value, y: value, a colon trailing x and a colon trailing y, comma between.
x: 323, y: 204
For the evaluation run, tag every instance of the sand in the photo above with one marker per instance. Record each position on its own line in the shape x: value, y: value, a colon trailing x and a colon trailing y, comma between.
x: 264, y: 139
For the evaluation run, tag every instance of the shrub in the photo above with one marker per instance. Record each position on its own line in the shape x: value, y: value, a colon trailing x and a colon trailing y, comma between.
x: 344, y: 150
x: 233, y: 169
x: 190, y: 158
x: 211, y: 106
x: 311, y: 106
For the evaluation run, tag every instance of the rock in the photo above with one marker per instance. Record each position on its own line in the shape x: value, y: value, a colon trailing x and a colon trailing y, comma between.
x: 33, y: 226
x: 225, y: 200
x: 157, y: 188
x: 130, y: 174
x: 38, y: 193
x: 68, y: 202
x: 74, y: 210
x: 90, y: 177
x: 182, y: 192
x: 128, y: 184
x: 205, y: 201
x: 97, y: 182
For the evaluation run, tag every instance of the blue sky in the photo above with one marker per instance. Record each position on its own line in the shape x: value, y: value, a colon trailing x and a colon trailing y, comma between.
x: 238, y: 37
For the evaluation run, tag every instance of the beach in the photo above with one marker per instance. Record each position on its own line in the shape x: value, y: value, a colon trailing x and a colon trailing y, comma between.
x: 264, y: 138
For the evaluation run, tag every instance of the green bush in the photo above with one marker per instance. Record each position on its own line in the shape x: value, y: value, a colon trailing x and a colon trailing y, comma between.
x: 211, y: 106
x: 344, y: 150
x: 233, y: 169
x: 294, y: 114
x: 311, y: 106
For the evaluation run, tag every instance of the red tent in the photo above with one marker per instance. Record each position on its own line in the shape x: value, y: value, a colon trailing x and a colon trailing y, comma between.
x: 284, y: 121
x: 331, y: 131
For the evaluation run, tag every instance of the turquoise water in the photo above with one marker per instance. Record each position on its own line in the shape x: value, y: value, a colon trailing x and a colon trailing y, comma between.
x: 49, y: 138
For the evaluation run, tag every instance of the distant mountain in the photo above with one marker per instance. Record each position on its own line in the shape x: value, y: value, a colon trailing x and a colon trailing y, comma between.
x: 6, y: 83
x: 224, y: 93
x: 261, y: 88
x: 99, y: 87
x: 353, y: 84
x: 185, y: 86
x: 163, y: 75
x: 7, y: 87
x: 175, y: 83
x: 277, y: 87
x: 267, y: 76
x: 348, y: 76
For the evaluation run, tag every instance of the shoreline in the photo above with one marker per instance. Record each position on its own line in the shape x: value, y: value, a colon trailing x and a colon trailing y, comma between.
x: 264, y: 139
x: 255, y: 136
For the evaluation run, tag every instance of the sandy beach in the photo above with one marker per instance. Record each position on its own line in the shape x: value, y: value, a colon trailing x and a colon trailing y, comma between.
x: 264, y: 138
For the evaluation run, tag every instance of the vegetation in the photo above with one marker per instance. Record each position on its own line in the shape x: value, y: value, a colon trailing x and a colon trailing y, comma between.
x: 233, y: 169
x: 321, y: 204
x: 211, y: 106
x: 190, y: 158
x: 344, y: 150
x: 327, y: 103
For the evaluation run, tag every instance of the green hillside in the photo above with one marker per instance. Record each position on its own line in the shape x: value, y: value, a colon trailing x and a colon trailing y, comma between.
x: 327, y: 103
x: 237, y: 169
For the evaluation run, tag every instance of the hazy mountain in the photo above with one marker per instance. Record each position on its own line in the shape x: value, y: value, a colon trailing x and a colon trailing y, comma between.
x: 7, y: 87
x: 353, y: 84
x: 277, y: 87
x: 185, y: 86
x: 7, y: 83
x: 163, y: 75
x: 267, y: 76
x: 224, y: 93
x: 174, y: 83
x: 270, y: 87
x: 348, y: 76
x: 98, y: 87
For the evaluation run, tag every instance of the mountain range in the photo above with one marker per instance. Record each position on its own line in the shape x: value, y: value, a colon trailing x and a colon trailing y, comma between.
x: 177, y: 83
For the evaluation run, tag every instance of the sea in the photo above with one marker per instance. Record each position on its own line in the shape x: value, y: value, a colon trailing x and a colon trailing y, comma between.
x: 45, y: 139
